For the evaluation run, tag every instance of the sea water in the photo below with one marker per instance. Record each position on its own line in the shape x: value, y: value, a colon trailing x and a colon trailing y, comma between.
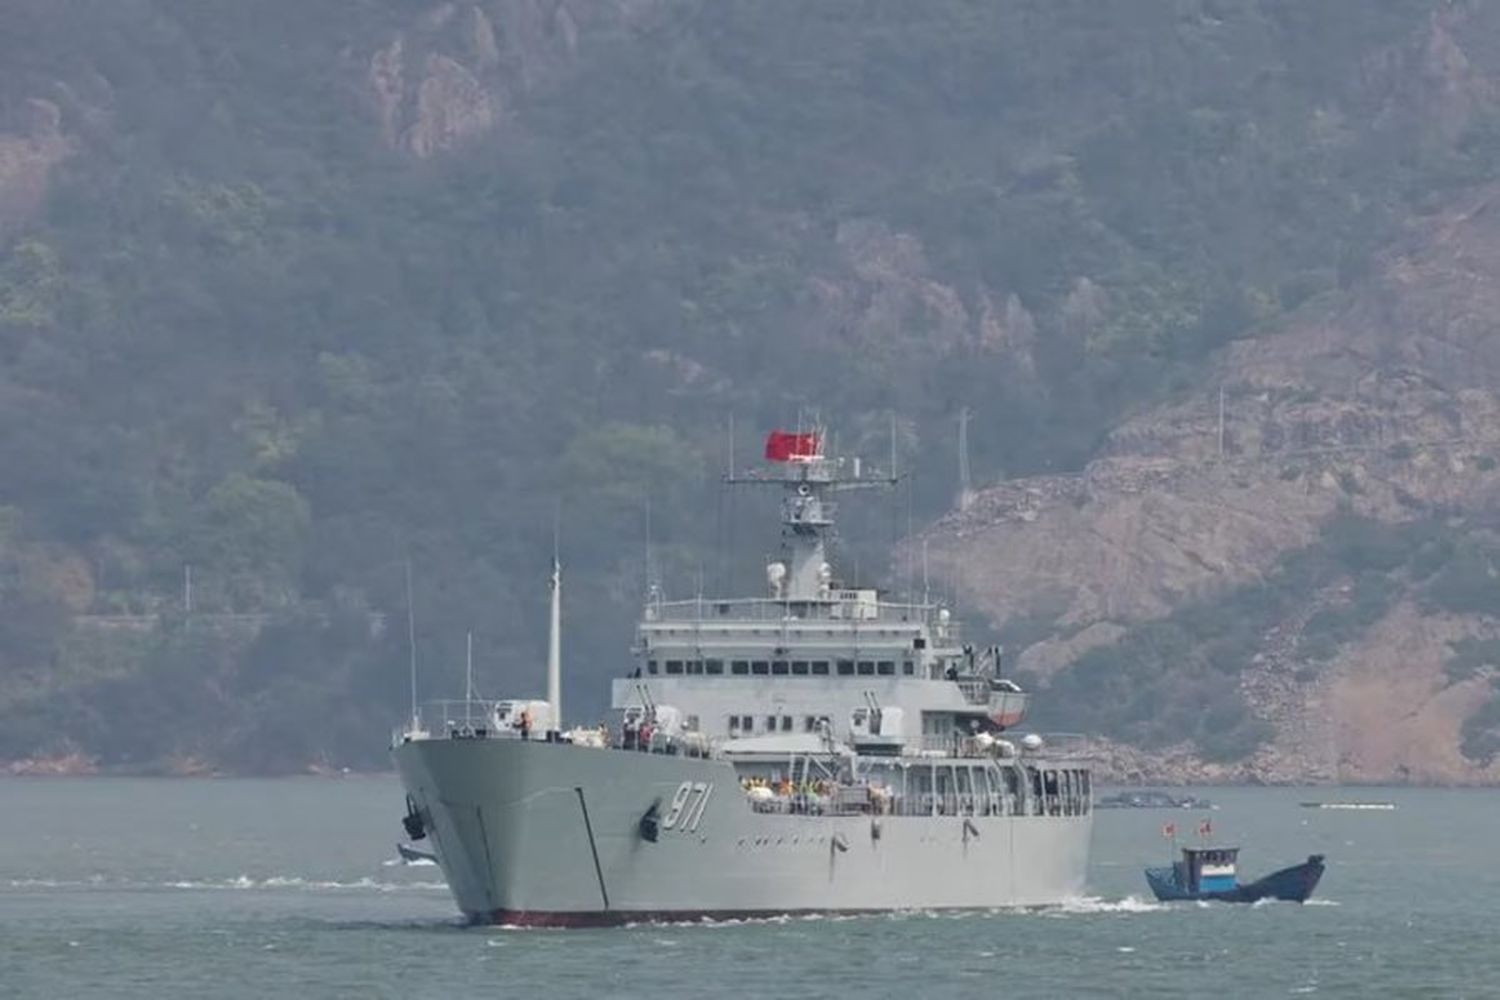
x: 290, y: 888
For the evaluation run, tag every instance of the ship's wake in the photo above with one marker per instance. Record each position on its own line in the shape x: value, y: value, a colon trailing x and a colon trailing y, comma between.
x: 403, y: 863
x: 1090, y: 905
x: 238, y: 882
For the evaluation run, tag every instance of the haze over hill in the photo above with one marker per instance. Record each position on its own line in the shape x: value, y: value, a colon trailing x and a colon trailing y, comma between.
x: 293, y: 293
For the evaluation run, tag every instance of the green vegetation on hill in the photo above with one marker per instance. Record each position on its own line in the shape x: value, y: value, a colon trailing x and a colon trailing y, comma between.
x: 245, y: 335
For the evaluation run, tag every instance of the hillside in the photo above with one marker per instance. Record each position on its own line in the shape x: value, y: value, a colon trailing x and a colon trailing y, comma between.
x: 294, y: 295
x: 1327, y: 584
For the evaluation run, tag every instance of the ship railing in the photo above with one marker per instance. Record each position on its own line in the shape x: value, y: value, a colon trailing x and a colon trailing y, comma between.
x: 859, y: 801
x: 1066, y: 747
x: 945, y: 744
x: 1055, y: 746
x: 449, y: 718
x: 976, y: 690
x: 959, y: 745
x: 774, y: 609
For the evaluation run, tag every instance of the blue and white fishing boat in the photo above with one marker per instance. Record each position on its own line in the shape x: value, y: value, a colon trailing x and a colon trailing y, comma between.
x: 1210, y: 873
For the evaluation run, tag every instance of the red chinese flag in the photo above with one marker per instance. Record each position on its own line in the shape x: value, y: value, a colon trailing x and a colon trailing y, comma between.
x: 1169, y: 830
x: 784, y: 447
x: 1205, y: 828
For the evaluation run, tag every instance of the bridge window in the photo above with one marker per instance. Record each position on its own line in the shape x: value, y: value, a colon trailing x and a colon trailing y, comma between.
x: 770, y: 723
x: 799, y: 668
x: 740, y: 667
x: 908, y: 668
x: 760, y: 668
x: 695, y: 666
x: 820, y: 668
x: 886, y: 668
x: 866, y: 668
x: 650, y: 666
x: 779, y: 667
x: 846, y: 668
x: 714, y: 667
x: 809, y: 723
x: 786, y: 723
x: 734, y: 725
x: 747, y: 724
x: 674, y: 666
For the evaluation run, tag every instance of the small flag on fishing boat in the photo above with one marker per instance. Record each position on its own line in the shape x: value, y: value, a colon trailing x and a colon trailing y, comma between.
x: 1205, y: 828
x: 1169, y: 830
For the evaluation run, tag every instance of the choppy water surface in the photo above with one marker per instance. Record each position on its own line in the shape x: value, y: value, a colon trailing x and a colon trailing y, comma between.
x: 142, y: 888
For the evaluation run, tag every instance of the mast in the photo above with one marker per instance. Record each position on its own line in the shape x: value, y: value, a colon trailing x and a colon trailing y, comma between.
x: 554, y: 648
x: 469, y: 668
x: 411, y: 645
x: 807, y: 521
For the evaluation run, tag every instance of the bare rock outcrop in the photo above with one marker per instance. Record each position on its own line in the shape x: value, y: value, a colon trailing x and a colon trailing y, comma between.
x: 27, y: 157
x: 458, y: 71
x: 884, y: 300
x: 452, y: 106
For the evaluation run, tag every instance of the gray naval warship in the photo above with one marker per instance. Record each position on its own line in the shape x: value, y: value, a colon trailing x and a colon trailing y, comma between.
x: 818, y: 749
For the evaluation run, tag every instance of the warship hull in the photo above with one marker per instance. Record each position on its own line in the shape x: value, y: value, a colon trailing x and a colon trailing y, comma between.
x: 535, y: 833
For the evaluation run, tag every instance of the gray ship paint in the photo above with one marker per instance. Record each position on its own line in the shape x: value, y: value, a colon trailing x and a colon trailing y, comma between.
x: 818, y: 749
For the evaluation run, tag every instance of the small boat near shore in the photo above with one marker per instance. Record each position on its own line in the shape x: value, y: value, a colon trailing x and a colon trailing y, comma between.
x: 1379, y: 806
x: 1209, y: 873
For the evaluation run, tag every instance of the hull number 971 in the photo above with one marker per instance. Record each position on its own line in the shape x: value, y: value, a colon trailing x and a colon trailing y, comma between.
x: 688, y: 803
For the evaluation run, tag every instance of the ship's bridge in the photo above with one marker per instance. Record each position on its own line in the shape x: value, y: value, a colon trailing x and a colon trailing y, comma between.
x: 848, y: 633
x: 752, y: 666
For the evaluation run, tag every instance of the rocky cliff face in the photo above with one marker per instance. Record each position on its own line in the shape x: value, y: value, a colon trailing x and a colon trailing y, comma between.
x: 458, y: 69
x: 1380, y: 403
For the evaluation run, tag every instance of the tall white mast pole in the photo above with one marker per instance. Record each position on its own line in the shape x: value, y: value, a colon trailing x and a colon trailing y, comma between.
x: 411, y: 644
x: 469, y: 669
x: 554, y: 648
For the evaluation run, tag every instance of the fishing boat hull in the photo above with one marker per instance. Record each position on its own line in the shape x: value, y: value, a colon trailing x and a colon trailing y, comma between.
x: 1294, y: 884
x: 552, y: 834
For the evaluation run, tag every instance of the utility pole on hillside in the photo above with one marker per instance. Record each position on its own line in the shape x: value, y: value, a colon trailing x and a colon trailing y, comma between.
x: 965, y: 488
x: 1221, y: 421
